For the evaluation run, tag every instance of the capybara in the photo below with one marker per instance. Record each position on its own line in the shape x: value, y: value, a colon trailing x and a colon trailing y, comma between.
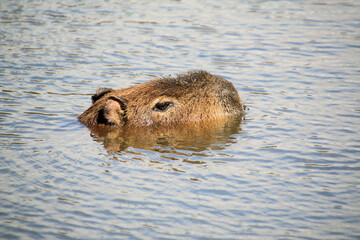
x: 195, y: 96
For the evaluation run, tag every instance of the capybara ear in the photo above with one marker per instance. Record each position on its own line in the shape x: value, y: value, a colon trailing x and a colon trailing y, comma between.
x: 99, y: 93
x: 114, y: 110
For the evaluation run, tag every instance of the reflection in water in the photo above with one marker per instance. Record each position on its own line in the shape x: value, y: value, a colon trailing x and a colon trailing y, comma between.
x: 194, y: 137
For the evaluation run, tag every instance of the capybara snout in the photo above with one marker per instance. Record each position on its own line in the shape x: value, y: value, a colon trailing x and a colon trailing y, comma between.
x: 195, y: 96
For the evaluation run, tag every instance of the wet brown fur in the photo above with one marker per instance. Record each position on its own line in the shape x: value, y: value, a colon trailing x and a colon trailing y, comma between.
x: 195, y: 96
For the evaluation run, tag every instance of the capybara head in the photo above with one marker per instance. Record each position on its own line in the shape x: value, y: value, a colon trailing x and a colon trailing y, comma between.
x: 195, y: 96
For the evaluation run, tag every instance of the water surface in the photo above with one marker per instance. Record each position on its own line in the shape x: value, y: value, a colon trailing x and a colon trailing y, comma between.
x: 289, y: 170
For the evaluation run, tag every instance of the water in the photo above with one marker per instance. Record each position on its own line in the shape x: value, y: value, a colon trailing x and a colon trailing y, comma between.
x: 289, y: 170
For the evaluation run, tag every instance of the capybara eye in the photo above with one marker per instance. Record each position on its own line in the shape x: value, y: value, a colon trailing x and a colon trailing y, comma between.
x: 162, y: 106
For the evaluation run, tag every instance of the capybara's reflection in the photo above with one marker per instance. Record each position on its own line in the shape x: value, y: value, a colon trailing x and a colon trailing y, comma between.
x: 190, y: 136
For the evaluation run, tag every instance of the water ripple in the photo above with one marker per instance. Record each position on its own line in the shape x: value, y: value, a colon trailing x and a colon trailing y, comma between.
x: 289, y: 170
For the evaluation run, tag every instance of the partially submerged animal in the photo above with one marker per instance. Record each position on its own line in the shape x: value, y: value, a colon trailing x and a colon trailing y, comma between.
x: 195, y: 96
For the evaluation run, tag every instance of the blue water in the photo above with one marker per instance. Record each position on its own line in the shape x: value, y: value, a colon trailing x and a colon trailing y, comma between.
x: 289, y: 170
